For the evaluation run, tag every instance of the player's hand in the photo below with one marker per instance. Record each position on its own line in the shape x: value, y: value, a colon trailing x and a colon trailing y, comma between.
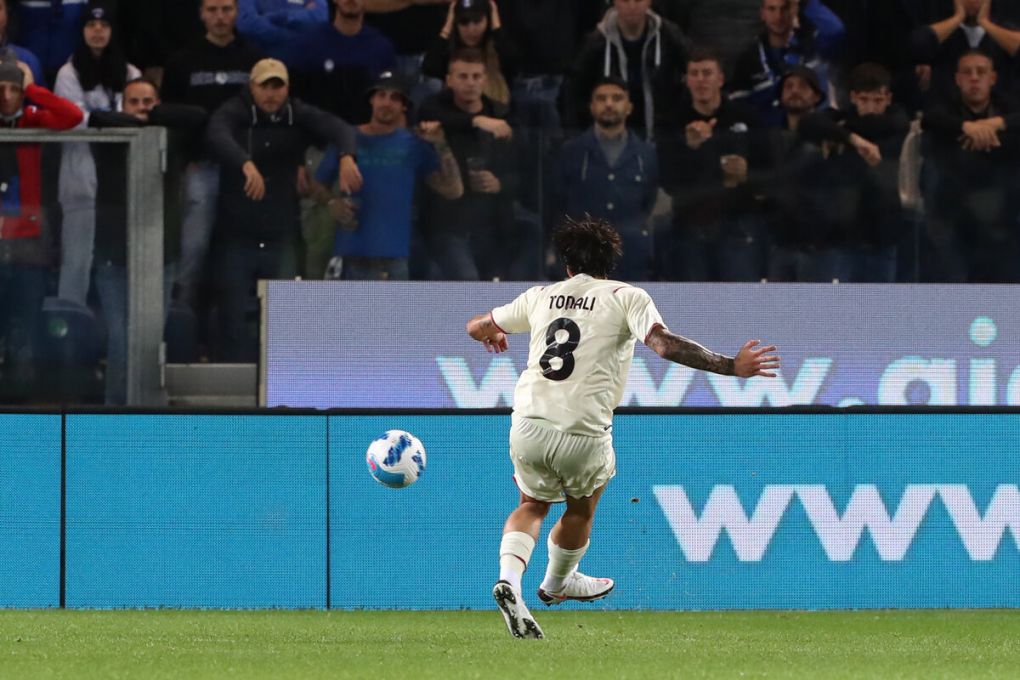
x: 254, y: 184
x: 752, y: 360
x: 350, y: 175
x: 496, y: 344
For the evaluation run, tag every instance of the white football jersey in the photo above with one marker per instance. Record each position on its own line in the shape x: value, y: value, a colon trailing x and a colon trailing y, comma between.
x: 583, y: 332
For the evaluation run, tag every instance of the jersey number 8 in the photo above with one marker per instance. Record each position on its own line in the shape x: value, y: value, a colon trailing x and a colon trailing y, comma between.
x: 562, y: 350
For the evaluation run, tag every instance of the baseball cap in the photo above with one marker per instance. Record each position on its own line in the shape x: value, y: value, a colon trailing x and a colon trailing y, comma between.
x: 388, y: 80
x: 805, y: 72
x: 267, y: 69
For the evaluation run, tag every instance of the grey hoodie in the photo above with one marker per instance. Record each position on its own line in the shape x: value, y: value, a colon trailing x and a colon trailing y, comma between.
x: 664, y: 58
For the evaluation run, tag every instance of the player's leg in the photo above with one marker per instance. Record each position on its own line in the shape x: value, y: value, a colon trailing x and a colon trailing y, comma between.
x: 519, y: 535
x: 568, y: 542
x: 585, y: 465
x: 539, y: 487
x: 574, y: 527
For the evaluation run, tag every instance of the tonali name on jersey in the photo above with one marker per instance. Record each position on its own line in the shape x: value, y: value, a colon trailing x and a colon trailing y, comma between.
x: 571, y: 302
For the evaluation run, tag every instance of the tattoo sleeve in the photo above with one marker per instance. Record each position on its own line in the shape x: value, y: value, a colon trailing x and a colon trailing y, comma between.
x: 447, y: 180
x: 680, y: 350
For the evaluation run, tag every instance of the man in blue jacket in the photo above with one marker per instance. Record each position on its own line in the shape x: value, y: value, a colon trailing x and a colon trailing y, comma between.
x: 796, y: 33
x: 609, y: 172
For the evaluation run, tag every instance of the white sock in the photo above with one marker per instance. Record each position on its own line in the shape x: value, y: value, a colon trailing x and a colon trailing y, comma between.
x: 562, y: 563
x: 514, y: 553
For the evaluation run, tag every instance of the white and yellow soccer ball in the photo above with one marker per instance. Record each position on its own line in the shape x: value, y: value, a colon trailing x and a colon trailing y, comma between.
x: 396, y: 459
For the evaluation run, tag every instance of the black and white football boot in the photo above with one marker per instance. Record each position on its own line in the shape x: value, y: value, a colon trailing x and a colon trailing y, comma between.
x: 518, y: 619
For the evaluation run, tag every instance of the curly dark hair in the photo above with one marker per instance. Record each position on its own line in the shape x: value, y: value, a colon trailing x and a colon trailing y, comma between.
x: 588, y: 246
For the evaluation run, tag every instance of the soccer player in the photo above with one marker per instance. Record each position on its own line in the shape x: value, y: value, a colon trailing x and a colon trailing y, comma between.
x: 583, y: 331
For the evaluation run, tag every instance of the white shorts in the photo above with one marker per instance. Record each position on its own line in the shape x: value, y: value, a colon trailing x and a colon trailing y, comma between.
x: 549, y: 464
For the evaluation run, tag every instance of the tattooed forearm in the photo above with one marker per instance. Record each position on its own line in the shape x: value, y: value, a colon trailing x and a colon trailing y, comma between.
x: 482, y: 327
x: 446, y: 181
x: 680, y: 350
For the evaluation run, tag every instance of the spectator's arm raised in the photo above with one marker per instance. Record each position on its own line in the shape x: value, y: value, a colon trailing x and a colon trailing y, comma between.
x: 1006, y: 39
x: 446, y: 181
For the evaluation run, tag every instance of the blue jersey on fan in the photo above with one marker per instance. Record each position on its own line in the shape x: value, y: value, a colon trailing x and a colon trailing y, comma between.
x: 390, y: 166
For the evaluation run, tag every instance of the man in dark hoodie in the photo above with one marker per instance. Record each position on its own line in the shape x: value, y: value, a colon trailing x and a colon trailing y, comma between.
x: 864, y: 216
x: 635, y: 44
x: 972, y: 201
x: 707, y: 150
x: 260, y: 138
x: 470, y: 237
x: 798, y: 188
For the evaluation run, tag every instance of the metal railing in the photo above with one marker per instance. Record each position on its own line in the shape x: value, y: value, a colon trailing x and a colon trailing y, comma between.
x: 146, y: 163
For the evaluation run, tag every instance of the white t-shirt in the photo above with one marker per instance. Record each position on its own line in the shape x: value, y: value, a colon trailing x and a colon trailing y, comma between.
x: 583, y: 332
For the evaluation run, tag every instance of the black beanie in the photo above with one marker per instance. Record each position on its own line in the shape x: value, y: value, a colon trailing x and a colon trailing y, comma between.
x: 99, y: 10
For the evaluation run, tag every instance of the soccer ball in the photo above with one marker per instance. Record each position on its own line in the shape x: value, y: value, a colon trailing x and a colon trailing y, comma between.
x: 396, y: 459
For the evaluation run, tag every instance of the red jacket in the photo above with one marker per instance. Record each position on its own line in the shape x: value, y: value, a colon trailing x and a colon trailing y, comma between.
x: 50, y: 112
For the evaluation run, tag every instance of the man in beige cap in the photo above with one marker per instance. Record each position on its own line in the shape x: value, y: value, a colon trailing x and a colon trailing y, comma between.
x: 260, y: 138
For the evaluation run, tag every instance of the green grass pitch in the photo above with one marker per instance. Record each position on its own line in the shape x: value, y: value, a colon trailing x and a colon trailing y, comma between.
x: 580, y: 644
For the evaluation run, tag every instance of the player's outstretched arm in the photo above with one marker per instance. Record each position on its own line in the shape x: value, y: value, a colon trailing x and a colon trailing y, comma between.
x: 483, y: 329
x: 750, y: 361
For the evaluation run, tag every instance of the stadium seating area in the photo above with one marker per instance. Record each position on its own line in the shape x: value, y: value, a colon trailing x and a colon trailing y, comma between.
x: 727, y: 140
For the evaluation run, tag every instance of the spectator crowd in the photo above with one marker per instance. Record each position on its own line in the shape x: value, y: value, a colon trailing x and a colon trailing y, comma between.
x: 727, y: 140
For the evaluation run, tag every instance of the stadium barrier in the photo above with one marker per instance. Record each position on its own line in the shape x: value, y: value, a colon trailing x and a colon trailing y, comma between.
x: 723, y: 509
x: 392, y: 344
x: 145, y: 159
